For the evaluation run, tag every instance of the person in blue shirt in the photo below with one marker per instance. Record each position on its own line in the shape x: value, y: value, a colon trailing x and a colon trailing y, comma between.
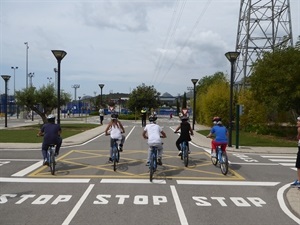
x: 220, y: 133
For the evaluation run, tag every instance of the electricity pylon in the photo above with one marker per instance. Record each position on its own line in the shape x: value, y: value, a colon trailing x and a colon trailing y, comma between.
x: 264, y: 25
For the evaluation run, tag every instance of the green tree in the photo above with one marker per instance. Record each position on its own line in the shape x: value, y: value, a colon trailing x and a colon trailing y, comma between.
x: 216, y: 102
x: 203, y: 116
x: 143, y: 96
x: 254, y: 113
x: 205, y: 82
x: 275, y: 80
x: 42, y: 101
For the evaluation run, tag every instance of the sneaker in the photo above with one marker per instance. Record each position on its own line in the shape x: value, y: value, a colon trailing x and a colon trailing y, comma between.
x: 121, y: 148
x: 110, y: 159
x: 213, y: 154
x: 295, y: 183
x: 45, y: 163
x: 159, y: 162
x: 148, y: 163
x: 189, y: 151
x: 56, y: 154
x: 180, y: 153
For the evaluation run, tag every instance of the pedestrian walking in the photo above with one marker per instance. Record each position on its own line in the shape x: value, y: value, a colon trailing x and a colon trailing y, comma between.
x: 296, y: 183
x: 101, y: 114
x: 144, y: 115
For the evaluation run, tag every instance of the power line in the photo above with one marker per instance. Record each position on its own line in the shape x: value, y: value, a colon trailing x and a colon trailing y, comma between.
x: 171, y: 31
x: 187, y: 39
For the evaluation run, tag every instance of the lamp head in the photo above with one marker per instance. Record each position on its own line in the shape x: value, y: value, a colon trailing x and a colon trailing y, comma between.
x: 101, y: 85
x: 194, y: 81
x: 59, y: 54
x: 232, y: 56
x: 5, y: 77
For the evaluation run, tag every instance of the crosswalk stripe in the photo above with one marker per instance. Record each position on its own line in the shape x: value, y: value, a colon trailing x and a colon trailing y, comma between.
x: 279, y: 156
x: 283, y: 160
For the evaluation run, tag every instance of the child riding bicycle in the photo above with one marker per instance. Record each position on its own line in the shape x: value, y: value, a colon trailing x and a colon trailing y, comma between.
x: 116, y: 129
x: 153, y: 133
x: 220, y: 133
x: 51, y: 133
x: 185, y: 133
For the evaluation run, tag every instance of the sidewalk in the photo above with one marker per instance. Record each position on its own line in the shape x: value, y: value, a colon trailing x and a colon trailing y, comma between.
x: 292, y: 195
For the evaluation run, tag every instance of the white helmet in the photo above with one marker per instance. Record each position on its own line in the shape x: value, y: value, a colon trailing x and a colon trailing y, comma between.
x: 51, y: 118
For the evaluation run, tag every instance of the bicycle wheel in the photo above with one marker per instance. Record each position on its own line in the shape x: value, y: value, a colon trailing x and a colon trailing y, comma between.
x: 224, y: 163
x: 52, y: 161
x: 214, y: 160
x: 118, y: 156
x: 185, y: 155
x: 151, y: 167
x: 115, y: 159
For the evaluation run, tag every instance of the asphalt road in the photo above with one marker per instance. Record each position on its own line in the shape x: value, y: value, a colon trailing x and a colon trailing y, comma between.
x: 86, y: 190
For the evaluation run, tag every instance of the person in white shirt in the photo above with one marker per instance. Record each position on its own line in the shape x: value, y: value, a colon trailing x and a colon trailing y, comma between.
x: 115, y: 130
x: 154, y: 133
x: 101, y: 114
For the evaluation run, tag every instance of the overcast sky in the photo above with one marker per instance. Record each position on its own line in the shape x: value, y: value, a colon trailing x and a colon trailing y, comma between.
x: 121, y: 44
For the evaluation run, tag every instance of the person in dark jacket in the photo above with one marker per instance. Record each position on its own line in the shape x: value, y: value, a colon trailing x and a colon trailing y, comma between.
x: 185, y: 133
x: 51, y: 133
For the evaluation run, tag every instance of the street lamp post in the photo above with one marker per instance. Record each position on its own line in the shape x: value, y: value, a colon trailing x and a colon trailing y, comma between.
x: 15, y: 106
x: 232, y: 57
x: 31, y: 75
x: 49, y: 79
x: 101, y: 86
x: 14, y: 68
x: 5, y: 78
x: 79, y: 105
x: 59, y: 55
x: 55, y: 78
x: 194, y: 81
x: 27, y: 47
x: 75, y: 86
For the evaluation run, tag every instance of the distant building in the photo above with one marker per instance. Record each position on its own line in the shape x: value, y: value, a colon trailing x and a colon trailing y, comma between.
x: 167, y: 99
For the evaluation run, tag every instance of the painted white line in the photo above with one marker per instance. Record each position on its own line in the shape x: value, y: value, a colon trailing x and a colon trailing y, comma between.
x: 287, y: 164
x: 19, y: 150
x: 282, y: 160
x: 78, y: 205
x: 129, y: 132
x: 227, y: 183
x: 254, y: 164
x: 132, y: 181
x: 280, y: 198
x: 278, y: 156
x: 28, y: 169
x: 294, y: 169
x: 21, y: 160
x: 178, y: 205
x: 42, y: 180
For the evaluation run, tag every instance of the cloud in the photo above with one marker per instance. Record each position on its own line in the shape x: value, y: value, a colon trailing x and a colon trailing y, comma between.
x: 122, y: 16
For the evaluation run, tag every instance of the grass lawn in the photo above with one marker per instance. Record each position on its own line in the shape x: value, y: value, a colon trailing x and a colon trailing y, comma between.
x: 27, y: 134
x: 251, y: 139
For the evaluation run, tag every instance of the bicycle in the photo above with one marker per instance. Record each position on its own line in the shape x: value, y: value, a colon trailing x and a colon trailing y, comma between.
x: 221, y: 159
x: 184, y: 152
x: 51, y: 158
x: 115, y: 153
x: 153, y: 161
